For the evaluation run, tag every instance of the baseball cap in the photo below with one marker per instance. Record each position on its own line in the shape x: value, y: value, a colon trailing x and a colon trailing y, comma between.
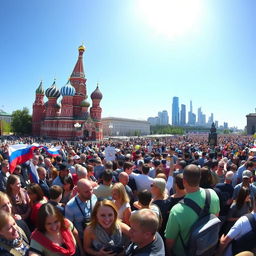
x: 76, y: 157
x: 247, y: 174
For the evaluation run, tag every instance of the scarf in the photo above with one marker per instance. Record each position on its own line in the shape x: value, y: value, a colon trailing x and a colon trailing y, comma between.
x: 104, y: 239
x: 48, y: 244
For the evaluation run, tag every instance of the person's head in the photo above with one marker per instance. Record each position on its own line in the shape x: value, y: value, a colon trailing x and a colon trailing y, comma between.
x: 8, y: 226
x: 47, y: 162
x: 35, y: 193
x: 82, y: 158
x: 158, y: 187
x: 81, y: 171
x: 50, y: 219
x: 145, y: 169
x: 63, y: 170
x: 13, y: 185
x: 109, y: 165
x: 41, y: 173
x: 181, y: 165
x: 144, y: 198
x: 119, y: 193
x: 247, y: 177
x: 104, y: 213
x: 128, y: 167
x: 17, y: 170
x: 243, y: 196
x: 191, y: 176
x: 89, y: 169
x: 55, y: 193
x: 206, y: 178
x: 249, y: 165
x: 5, y: 203
x: 68, y: 183
x: 84, y: 189
x: 229, y: 177
x: 144, y: 224
x: 123, y: 178
x: 5, y: 166
x: 35, y: 160
x: 178, y: 182
x: 221, y: 166
x: 107, y: 177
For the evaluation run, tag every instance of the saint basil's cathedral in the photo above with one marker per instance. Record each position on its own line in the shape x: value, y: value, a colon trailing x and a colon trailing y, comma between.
x: 72, y: 118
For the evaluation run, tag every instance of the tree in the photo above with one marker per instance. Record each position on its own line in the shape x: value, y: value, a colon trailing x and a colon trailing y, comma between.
x: 21, y: 122
x: 5, y: 127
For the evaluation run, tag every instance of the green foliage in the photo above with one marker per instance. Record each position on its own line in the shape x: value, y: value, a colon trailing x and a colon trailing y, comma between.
x: 21, y: 122
x: 6, y: 127
x: 166, y: 129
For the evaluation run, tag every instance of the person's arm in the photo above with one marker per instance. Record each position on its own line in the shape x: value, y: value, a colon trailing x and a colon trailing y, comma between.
x: 125, y: 229
x: 224, y: 241
x: 78, y: 241
x: 127, y: 215
x: 169, y: 245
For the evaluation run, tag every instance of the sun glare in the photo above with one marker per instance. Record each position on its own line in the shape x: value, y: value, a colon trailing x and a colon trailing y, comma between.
x: 171, y: 17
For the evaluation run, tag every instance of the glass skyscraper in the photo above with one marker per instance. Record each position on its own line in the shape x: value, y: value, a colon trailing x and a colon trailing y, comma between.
x: 175, y: 111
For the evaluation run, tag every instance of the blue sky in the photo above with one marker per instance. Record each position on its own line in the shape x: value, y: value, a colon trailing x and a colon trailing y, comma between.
x: 142, y: 53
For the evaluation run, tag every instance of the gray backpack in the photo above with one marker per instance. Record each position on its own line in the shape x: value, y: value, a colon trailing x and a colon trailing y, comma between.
x: 204, y: 234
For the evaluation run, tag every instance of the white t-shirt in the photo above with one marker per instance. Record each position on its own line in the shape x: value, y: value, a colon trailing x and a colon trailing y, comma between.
x: 142, y: 181
x: 240, y: 228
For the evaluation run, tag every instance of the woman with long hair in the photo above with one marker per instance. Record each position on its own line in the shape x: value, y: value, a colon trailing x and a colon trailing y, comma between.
x: 18, y: 197
x: 13, y: 240
x: 238, y: 208
x: 37, y: 199
x: 54, y: 234
x: 122, y: 202
x: 68, y: 186
x: 105, y: 233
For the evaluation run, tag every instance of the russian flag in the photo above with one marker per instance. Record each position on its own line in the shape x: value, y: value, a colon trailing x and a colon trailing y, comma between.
x: 18, y: 154
x: 53, y: 151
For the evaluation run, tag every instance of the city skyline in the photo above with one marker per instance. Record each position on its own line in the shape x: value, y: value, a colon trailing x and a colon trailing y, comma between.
x: 141, y: 53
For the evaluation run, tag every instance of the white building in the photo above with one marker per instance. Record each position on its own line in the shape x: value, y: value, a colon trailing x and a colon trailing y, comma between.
x: 115, y: 126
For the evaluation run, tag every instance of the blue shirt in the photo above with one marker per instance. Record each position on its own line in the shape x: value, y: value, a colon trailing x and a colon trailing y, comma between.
x: 74, y: 213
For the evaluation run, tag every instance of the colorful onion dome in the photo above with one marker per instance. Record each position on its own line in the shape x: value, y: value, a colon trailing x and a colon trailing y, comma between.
x: 40, y: 89
x: 81, y: 48
x: 53, y: 91
x: 85, y: 103
x: 68, y: 90
x: 96, y: 95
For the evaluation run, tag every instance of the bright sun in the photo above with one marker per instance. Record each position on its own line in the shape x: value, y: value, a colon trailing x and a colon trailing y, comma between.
x: 171, y: 17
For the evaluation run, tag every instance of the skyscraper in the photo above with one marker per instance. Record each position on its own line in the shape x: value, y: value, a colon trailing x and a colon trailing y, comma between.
x: 175, y: 111
x: 183, y: 114
x: 165, y: 117
x: 191, y: 116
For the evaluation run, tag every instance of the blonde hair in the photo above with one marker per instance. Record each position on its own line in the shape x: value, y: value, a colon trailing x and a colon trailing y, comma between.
x: 4, y: 217
x: 119, y: 187
x: 107, y: 203
x: 2, y: 197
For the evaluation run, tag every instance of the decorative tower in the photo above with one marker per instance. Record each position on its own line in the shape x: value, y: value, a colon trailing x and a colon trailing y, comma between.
x: 52, y: 107
x: 95, y: 113
x: 78, y: 80
x: 67, y: 92
x: 38, y: 110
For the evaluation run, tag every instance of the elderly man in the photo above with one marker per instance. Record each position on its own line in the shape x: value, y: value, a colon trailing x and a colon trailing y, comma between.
x: 78, y: 210
x: 143, y: 233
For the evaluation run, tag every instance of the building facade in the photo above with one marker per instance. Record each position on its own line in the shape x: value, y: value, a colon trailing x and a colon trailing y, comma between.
x: 72, y: 118
x: 114, y: 126
x: 183, y: 115
x: 175, y: 111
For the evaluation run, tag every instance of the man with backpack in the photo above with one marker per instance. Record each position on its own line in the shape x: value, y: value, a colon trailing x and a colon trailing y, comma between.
x: 183, y: 217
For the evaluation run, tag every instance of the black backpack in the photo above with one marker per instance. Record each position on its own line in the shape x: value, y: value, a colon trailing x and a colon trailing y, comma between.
x: 204, y: 234
x: 248, y: 241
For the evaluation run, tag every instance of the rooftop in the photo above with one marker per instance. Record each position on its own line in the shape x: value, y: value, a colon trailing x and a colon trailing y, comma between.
x: 3, y: 113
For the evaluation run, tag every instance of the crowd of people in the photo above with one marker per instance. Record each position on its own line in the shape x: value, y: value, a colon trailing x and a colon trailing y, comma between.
x: 127, y: 197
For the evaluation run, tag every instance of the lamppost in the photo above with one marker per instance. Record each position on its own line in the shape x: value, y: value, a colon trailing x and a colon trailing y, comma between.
x: 110, y: 129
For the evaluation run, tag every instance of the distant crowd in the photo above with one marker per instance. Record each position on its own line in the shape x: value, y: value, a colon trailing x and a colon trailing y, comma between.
x: 135, y: 197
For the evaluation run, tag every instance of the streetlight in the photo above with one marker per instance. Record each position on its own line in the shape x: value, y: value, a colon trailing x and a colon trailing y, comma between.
x: 110, y: 128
